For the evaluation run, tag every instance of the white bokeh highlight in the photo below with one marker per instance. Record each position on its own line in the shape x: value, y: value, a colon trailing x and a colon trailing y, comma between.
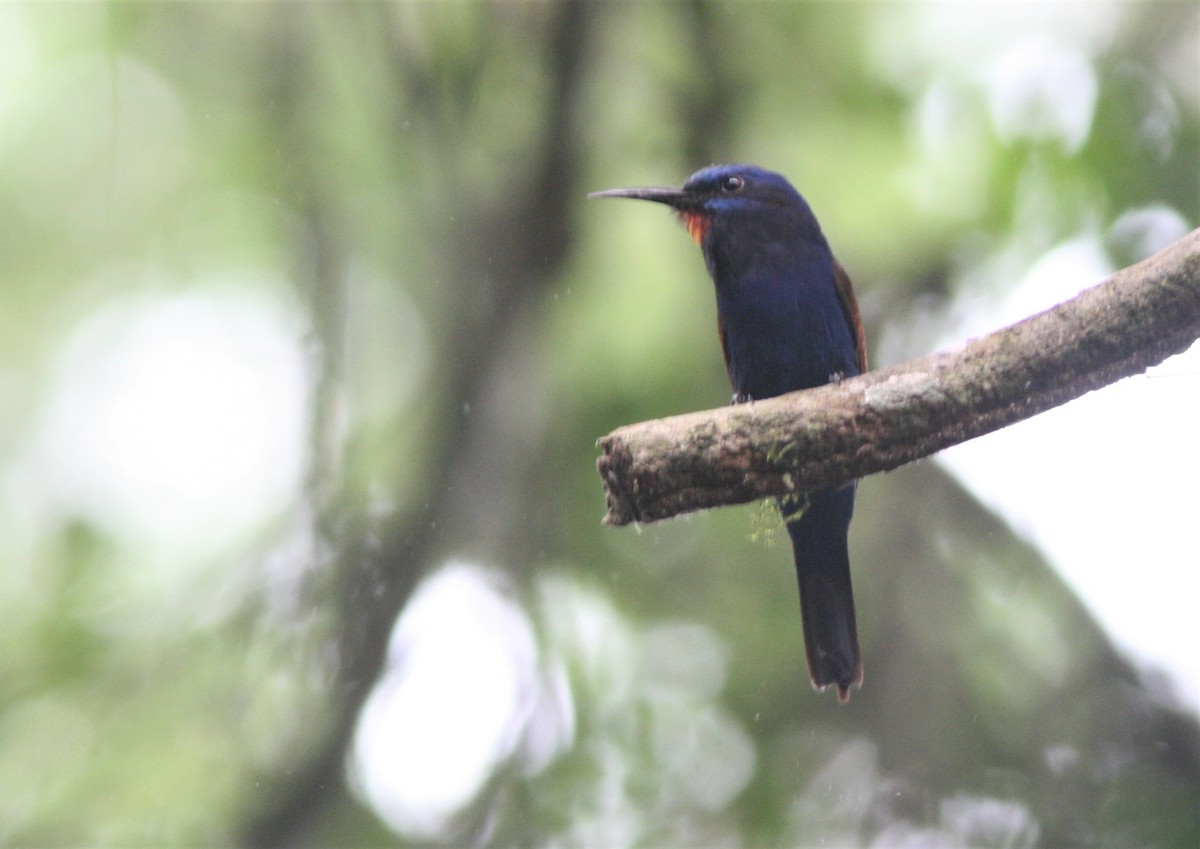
x: 461, y: 685
x: 1105, y: 485
x: 178, y: 421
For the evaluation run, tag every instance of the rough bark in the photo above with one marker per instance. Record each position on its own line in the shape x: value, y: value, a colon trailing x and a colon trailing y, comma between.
x: 881, y: 420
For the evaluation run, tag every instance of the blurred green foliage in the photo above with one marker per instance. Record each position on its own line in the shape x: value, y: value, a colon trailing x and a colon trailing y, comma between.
x: 404, y: 184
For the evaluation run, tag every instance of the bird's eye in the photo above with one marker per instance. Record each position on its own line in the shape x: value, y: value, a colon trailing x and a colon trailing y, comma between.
x: 732, y: 183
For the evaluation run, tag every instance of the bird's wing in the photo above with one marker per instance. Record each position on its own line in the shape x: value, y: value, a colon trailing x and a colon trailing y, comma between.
x: 725, y: 350
x: 845, y: 293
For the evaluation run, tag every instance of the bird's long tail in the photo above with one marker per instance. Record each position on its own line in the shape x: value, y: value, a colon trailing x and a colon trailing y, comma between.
x: 818, y: 525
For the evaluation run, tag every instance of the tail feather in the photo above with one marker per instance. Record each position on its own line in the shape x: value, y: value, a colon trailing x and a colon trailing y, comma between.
x: 818, y: 527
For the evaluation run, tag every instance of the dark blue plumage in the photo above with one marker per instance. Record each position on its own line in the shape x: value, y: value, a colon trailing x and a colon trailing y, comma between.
x: 787, y: 320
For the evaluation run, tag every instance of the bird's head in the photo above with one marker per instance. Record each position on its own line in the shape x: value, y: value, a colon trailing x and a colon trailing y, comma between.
x: 723, y: 193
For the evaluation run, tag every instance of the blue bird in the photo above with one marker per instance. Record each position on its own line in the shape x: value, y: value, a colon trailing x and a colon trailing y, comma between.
x: 787, y: 320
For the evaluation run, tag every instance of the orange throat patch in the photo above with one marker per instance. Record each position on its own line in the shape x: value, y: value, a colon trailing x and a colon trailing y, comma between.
x: 696, y: 224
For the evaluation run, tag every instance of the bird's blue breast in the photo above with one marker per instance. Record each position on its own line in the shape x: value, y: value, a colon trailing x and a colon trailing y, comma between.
x: 783, y: 324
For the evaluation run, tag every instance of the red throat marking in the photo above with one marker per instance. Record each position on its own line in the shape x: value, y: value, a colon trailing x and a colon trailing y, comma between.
x: 696, y: 224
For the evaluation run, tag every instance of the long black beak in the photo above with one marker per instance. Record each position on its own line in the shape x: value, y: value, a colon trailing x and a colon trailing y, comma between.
x: 676, y: 198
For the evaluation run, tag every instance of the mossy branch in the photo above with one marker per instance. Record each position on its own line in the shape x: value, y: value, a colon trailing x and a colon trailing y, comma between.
x: 881, y: 420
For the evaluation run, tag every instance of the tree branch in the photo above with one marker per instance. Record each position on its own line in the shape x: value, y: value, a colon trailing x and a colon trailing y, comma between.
x: 873, y: 423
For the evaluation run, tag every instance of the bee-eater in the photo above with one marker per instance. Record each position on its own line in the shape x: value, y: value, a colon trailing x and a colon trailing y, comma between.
x: 787, y: 320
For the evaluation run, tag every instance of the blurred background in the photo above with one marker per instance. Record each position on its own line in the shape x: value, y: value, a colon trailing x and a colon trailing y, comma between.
x: 308, y: 333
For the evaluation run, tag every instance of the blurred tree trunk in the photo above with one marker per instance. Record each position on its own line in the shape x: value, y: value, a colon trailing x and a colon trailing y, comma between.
x: 502, y: 260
